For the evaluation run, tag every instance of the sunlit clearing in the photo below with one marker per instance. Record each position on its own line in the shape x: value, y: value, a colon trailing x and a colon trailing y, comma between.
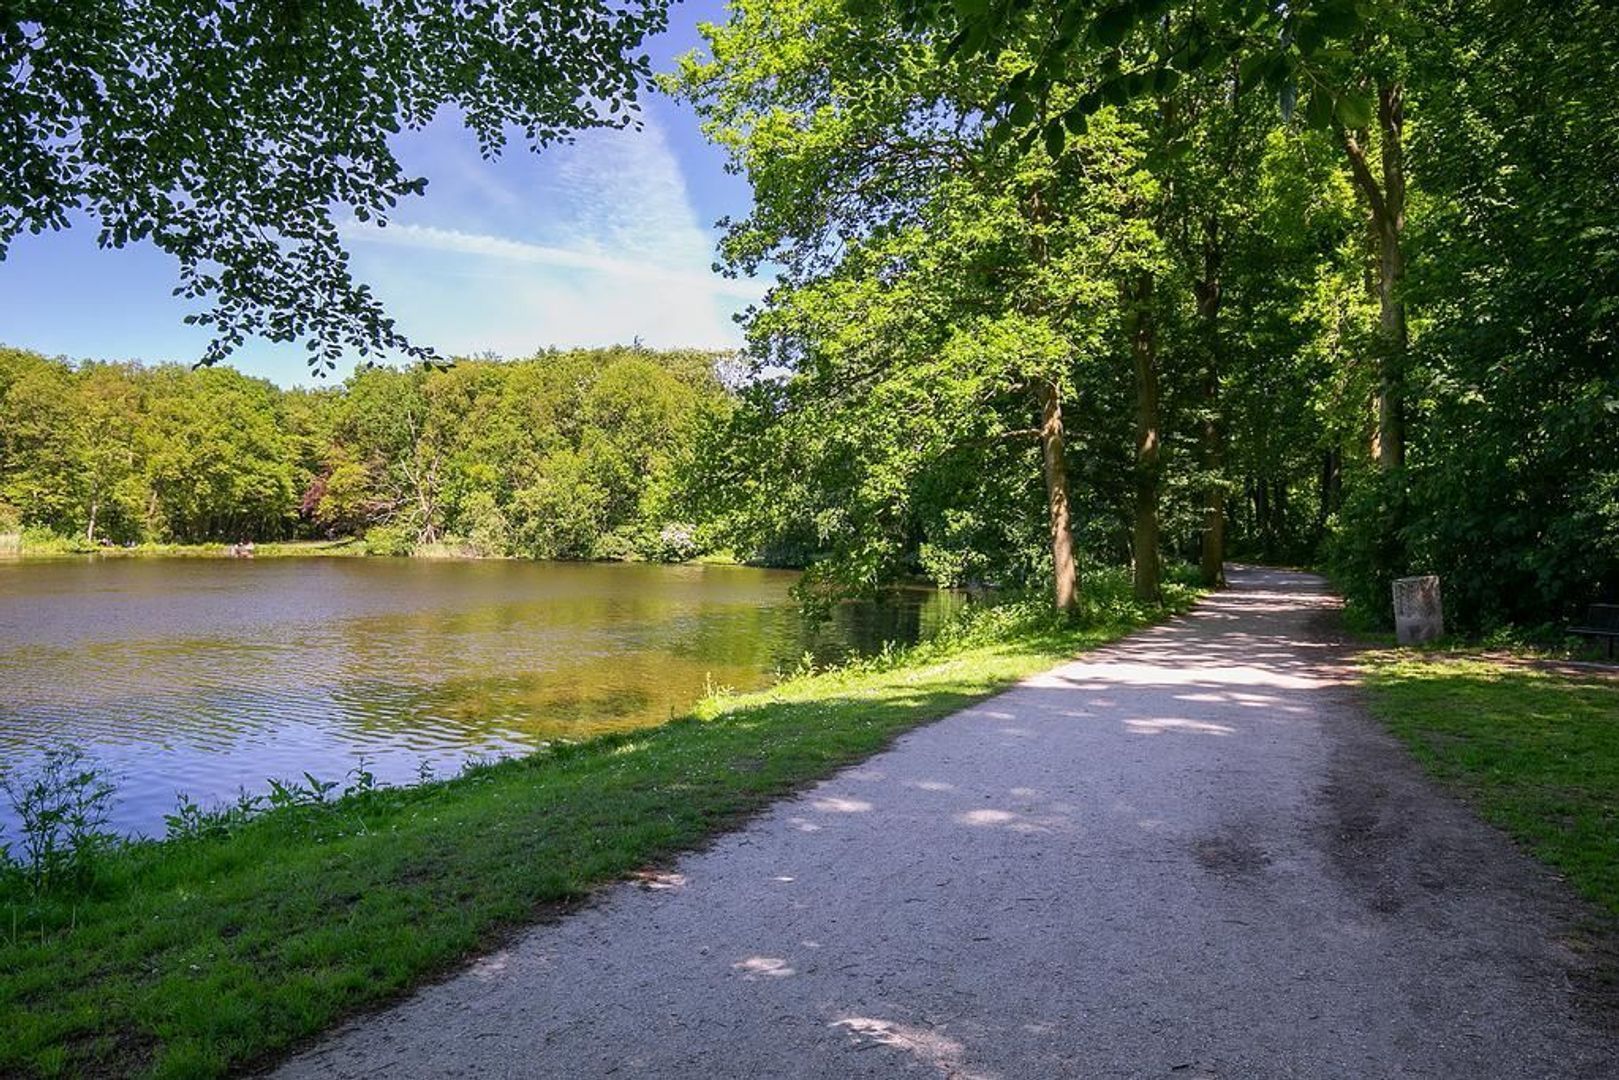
x: 834, y: 804
x: 986, y: 817
x: 659, y: 879
x: 763, y: 967
x: 1159, y: 727
x: 929, y: 1046
x: 490, y: 967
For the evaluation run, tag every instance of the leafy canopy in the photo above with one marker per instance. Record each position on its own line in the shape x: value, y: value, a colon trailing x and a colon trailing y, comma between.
x: 240, y: 137
x: 1119, y: 51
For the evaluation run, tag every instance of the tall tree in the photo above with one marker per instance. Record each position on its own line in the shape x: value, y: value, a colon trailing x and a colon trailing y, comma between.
x: 849, y: 163
x: 110, y: 425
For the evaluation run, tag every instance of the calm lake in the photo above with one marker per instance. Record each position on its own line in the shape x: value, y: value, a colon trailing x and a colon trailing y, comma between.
x: 206, y: 676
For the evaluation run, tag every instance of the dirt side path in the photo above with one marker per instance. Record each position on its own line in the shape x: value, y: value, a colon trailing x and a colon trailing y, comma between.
x: 1186, y: 855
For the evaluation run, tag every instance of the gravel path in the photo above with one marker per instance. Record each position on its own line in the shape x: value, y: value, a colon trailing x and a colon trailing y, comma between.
x: 1186, y: 855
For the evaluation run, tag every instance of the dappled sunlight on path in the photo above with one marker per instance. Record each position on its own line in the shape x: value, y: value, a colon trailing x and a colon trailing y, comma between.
x: 1187, y: 854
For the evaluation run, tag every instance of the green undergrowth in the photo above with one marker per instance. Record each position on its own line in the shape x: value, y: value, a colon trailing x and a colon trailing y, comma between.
x: 1536, y: 751
x: 198, y: 956
x: 40, y: 544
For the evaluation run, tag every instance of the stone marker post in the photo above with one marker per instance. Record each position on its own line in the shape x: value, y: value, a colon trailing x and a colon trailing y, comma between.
x: 1418, y: 614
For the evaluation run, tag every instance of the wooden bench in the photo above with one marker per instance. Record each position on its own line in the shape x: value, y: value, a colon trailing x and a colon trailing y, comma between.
x: 1602, y: 621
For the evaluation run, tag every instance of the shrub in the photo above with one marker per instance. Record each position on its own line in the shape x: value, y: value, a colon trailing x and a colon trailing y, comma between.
x: 616, y: 546
x: 62, y: 808
x: 389, y: 540
x: 675, y: 542
x: 485, y: 527
x: 1365, y: 547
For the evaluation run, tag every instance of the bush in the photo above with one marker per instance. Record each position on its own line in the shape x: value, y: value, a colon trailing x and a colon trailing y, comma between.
x: 1366, y: 549
x: 389, y: 540
x: 616, y: 546
x: 675, y: 542
x: 62, y: 807
x: 562, y: 513
x: 39, y: 540
x: 484, y: 526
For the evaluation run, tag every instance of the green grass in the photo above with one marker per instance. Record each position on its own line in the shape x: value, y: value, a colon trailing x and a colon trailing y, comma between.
x: 1537, y: 752
x: 46, y: 545
x: 194, y: 957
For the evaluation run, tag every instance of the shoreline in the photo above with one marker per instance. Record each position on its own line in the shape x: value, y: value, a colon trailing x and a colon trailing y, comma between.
x: 351, y: 547
x: 227, y: 948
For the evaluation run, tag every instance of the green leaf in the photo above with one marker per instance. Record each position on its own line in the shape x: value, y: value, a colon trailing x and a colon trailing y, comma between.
x: 1354, y: 111
x: 1055, y: 136
x: 1279, y: 70
x: 1113, y: 25
x: 1217, y: 56
x: 1253, y: 66
x: 1337, y: 20
x: 1318, y: 110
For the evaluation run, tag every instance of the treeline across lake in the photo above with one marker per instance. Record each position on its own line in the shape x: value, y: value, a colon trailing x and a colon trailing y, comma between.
x: 564, y: 455
x: 1053, y: 293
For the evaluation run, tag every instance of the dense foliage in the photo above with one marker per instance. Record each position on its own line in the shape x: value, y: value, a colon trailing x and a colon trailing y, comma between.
x: 1063, y: 284
x: 1070, y: 284
x: 567, y: 454
x: 239, y: 137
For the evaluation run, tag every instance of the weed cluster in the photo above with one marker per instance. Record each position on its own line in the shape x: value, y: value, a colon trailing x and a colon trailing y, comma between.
x: 203, y: 957
x: 62, y: 808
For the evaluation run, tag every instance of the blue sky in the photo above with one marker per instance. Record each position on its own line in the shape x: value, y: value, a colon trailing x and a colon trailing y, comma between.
x: 602, y: 241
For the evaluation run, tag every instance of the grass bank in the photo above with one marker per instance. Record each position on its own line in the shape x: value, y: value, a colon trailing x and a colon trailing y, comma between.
x: 1536, y: 751
x: 31, y: 545
x: 34, y: 544
x: 196, y: 956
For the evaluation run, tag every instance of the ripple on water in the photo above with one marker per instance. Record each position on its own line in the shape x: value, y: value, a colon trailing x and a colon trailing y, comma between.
x: 208, y: 676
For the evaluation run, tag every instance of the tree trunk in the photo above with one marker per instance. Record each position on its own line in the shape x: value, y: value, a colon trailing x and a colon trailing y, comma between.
x: 1279, y: 508
x: 1149, y: 452
x: 1212, y: 561
x: 90, y: 529
x: 1331, y: 484
x: 1259, y: 493
x: 1390, y: 447
x: 1387, y: 201
x: 1065, y: 576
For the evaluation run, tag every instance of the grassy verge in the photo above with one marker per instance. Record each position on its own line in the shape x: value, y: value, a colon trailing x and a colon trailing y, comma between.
x: 1536, y: 751
x: 41, y: 545
x: 48, y: 546
x: 192, y: 957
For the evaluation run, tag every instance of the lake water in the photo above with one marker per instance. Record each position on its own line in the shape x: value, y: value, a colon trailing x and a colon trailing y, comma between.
x: 206, y: 676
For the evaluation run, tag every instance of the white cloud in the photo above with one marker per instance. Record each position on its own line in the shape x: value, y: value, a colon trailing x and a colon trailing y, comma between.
x: 483, y: 245
x: 589, y: 243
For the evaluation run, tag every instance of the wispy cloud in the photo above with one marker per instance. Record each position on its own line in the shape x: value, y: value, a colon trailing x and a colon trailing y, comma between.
x: 587, y: 243
x: 483, y: 245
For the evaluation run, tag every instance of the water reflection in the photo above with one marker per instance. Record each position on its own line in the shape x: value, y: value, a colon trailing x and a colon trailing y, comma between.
x: 207, y: 676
